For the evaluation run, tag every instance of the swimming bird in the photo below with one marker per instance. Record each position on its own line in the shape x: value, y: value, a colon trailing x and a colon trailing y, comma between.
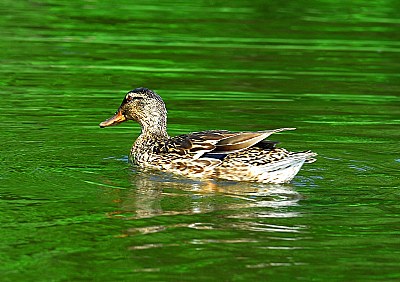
x: 210, y: 154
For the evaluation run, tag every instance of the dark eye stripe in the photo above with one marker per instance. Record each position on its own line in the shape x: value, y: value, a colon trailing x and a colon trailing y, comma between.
x: 131, y: 98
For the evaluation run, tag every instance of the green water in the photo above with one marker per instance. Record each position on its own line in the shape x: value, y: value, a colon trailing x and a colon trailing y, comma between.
x: 73, y: 209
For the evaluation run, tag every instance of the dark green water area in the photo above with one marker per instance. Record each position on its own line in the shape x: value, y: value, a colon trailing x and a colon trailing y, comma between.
x: 73, y: 209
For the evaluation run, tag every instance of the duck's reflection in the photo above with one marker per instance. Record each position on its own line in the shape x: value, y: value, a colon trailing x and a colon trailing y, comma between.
x: 157, y: 194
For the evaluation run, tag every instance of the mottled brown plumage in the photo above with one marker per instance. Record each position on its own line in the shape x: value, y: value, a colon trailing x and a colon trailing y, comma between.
x: 239, y: 156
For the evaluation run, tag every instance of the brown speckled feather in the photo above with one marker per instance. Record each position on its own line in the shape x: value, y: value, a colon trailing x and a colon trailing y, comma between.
x: 219, y: 141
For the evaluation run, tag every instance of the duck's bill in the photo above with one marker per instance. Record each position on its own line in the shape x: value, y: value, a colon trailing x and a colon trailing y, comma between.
x: 114, y: 120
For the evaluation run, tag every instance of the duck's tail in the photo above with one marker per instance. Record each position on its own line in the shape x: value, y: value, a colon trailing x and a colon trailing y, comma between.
x: 284, y: 170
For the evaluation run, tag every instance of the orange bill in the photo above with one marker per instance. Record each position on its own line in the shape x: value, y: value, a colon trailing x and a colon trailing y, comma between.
x: 114, y: 120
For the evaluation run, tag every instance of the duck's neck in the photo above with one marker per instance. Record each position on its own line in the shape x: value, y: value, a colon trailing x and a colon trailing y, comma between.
x: 153, y: 135
x: 154, y: 126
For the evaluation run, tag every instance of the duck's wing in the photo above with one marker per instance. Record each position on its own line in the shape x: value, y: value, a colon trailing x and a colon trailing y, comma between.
x: 243, y: 140
x: 198, y: 143
x: 220, y: 142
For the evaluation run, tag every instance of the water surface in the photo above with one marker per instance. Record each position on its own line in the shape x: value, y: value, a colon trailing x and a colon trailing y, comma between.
x: 71, y: 206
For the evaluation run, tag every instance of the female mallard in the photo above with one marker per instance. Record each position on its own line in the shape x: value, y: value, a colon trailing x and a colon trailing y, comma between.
x: 238, y: 156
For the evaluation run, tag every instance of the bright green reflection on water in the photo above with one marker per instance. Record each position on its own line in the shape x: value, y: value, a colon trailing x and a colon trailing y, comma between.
x: 71, y: 208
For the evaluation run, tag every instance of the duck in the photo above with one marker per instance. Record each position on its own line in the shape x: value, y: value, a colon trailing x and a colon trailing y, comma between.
x: 210, y: 154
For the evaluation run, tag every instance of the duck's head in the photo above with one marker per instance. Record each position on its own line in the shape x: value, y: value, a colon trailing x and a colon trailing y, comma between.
x: 142, y: 105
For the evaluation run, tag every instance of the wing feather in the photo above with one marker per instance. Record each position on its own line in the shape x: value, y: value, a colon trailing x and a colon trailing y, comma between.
x: 243, y: 140
x: 218, y: 141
